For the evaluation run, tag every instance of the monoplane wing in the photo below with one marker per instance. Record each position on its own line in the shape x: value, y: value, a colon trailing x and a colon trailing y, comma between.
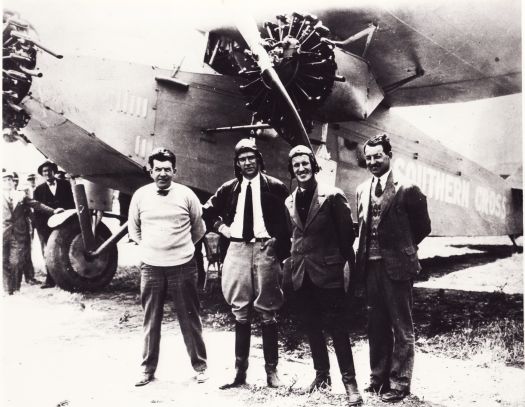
x: 422, y: 52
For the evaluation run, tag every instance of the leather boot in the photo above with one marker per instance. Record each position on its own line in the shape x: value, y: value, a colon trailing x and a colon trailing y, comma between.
x: 242, y: 351
x: 354, y: 397
x: 345, y: 359
x: 320, y: 358
x: 271, y: 354
x: 322, y: 381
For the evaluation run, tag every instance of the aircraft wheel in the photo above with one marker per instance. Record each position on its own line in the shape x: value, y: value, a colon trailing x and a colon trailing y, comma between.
x: 66, y: 262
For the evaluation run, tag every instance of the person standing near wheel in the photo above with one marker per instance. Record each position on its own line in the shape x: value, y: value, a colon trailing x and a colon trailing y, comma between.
x: 54, y: 193
x: 165, y: 220
x: 16, y: 231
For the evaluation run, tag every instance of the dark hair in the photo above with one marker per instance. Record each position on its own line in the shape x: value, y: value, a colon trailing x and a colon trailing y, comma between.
x: 52, y: 166
x: 380, y: 140
x: 162, y: 154
x: 302, y: 150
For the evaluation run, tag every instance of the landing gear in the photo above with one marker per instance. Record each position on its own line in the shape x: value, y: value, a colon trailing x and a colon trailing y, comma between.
x: 68, y: 264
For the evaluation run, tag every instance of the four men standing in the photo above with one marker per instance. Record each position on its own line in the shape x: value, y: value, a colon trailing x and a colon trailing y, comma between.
x: 255, y: 214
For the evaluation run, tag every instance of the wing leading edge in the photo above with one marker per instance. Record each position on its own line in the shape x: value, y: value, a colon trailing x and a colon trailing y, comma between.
x: 467, y: 50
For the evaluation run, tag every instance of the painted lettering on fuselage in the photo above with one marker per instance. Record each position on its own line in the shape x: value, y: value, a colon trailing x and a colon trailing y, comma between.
x: 452, y: 189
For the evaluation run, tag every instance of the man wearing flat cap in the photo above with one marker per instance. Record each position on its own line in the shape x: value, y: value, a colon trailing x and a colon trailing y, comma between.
x: 320, y: 221
x: 54, y: 193
x: 249, y: 211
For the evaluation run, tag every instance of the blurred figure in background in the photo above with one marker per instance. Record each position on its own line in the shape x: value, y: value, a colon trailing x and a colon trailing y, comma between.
x: 31, y: 182
x: 16, y: 234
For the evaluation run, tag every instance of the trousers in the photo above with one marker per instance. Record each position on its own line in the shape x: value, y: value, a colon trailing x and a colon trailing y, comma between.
x: 181, y: 283
x: 252, y: 279
x: 390, y: 328
x: 11, y: 264
x: 325, y: 309
x: 43, y: 236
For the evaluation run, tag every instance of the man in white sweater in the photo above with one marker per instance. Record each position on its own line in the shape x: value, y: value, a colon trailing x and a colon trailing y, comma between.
x: 165, y: 220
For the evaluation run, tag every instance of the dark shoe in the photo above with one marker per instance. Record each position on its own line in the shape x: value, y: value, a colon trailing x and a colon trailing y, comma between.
x: 322, y: 381
x: 394, y: 395
x: 354, y: 397
x: 271, y: 354
x: 271, y: 376
x: 145, y: 379
x: 377, y: 388
x: 33, y: 281
x: 47, y: 285
x: 237, y: 382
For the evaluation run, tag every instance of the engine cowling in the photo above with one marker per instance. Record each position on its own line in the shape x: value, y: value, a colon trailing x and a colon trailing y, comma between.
x: 305, y: 63
x: 19, y: 57
x: 300, y: 53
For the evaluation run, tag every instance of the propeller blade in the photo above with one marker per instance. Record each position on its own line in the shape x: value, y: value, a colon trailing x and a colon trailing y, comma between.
x: 247, y: 27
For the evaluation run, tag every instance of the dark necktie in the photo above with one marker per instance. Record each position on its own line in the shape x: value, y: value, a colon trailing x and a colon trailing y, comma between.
x: 163, y: 192
x: 9, y: 199
x: 247, y: 227
x: 379, y: 191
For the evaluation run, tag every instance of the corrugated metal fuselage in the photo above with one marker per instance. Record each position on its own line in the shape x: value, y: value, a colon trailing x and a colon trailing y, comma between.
x: 99, y: 119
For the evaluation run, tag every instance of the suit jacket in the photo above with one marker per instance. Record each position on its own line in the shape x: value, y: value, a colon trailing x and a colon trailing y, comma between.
x: 14, y: 215
x: 403, y: 224
x: 323, y: 244
x: 62, y: 199
x: 220, y: 209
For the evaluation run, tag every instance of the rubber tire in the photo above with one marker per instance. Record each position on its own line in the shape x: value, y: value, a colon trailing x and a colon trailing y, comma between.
x: 60, y: 262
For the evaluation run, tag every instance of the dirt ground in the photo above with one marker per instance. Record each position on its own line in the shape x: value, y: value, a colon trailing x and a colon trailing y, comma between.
x: 63, y: 349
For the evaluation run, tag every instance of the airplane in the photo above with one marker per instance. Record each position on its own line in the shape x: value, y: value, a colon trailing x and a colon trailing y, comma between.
x: 324, y: 76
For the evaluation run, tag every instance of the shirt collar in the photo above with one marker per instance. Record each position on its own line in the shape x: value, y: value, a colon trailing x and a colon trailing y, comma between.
x: 383, y: 178
x: 51, y: 184
x: 301, y: 189
x: 256, y: 181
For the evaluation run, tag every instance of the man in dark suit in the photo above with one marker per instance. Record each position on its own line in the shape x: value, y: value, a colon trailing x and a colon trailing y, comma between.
x: 54, y: 193
x: 320, y: 220
x: 249, y: 211
x: 393, y: 220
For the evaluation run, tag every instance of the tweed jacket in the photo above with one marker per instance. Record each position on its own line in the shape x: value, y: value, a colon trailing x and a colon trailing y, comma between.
x: 323, y: 244
x: 62, y: 199
x: 403, y: 224
x: 15, y: 221
x: 221, y: 207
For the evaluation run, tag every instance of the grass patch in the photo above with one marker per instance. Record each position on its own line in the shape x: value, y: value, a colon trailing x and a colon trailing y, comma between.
x: 496, y: 342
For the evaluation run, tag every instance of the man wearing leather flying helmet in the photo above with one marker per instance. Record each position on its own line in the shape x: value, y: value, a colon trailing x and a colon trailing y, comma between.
x: 249, y: 211
x: 320, y: 222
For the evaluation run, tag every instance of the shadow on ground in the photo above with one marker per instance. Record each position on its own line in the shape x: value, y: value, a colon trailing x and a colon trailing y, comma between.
x: 439, y: 266
x: 438, y: 313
